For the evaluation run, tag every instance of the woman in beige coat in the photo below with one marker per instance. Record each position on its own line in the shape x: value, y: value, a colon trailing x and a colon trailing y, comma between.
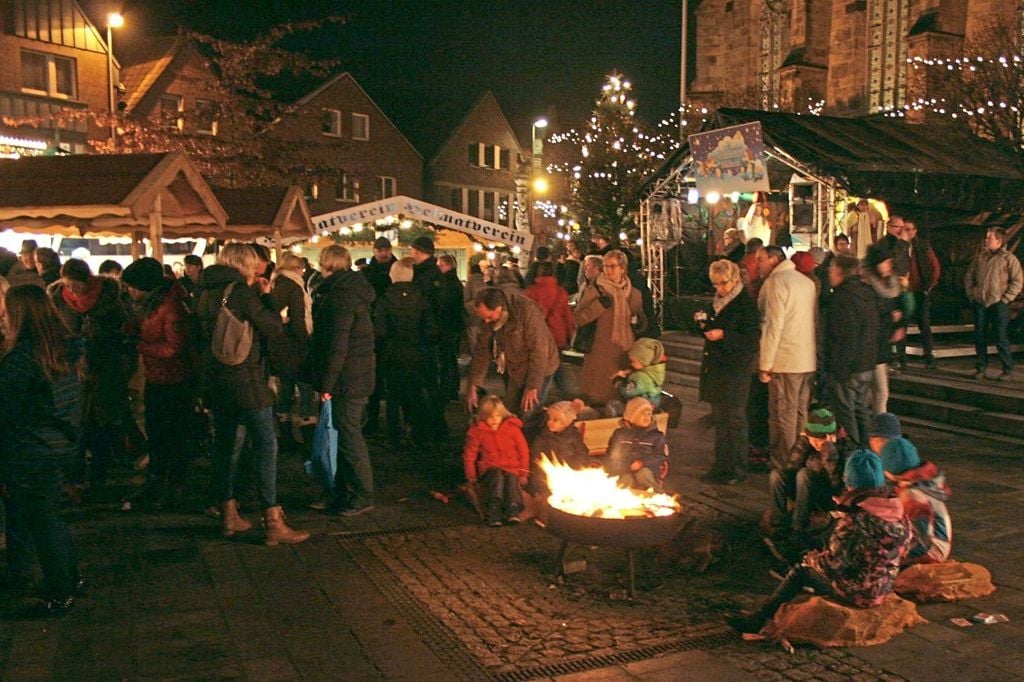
x: 618, y: 309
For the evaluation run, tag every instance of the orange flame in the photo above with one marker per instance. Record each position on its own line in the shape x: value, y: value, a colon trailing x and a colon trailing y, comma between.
x: 592, y: 492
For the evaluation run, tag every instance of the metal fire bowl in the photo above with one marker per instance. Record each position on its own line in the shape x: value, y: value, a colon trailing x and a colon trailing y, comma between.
x: 626, y: 533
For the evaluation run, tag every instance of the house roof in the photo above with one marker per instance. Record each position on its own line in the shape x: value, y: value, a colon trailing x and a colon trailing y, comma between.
x: 326, y: 85
x: 445, y: 134
x: 863, y: 152
x: 144, y: 63
x: 105, y: 194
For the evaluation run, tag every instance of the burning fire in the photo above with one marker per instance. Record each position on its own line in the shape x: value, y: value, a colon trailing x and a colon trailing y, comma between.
x: 592, y: 492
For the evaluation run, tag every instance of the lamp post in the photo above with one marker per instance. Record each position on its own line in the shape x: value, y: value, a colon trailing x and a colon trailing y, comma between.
x: 538, y: 184
x: 114, y: 20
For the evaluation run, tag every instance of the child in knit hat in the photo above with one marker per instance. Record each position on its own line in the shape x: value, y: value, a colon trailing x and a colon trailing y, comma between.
x: 860, y: 563
x: 922, y: 489
x: 645, y: 379
x: 558, y: 439
x: 638, y: 451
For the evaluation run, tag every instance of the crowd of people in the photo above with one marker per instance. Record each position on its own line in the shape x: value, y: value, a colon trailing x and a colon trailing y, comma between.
x: 236, y: 357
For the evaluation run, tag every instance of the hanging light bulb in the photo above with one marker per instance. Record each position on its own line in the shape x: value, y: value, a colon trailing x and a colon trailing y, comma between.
x: 478, y: 247
x: 712, y: 197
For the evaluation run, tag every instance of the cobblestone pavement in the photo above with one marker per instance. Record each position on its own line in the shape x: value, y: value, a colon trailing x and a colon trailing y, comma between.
x: 420, y: 590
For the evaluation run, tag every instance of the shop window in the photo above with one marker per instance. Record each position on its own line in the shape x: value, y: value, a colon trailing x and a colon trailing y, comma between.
x: 503, y: 159
x: 360, y: 127
x: 488, y: 212
x: 48, y: 74
x: 331, y: 123
x: 387, y: 187
x: 206, y: 117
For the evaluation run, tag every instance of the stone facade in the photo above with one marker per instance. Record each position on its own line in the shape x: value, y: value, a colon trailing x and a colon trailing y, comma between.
x: 850, y: 55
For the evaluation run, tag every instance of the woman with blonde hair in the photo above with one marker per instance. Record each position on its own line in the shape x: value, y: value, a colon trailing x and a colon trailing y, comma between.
x: 341, y: 364
x: 288, y: 289
x: 618, y: 309
x: 239, y: 395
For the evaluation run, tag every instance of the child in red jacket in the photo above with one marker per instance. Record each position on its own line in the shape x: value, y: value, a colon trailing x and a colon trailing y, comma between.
x: 497, y: 456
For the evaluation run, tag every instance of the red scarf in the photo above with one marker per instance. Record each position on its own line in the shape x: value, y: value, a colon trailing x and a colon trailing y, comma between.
x: 85, y: 302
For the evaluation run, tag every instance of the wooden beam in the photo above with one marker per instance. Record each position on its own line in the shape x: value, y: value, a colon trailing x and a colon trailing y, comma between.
x: 278, y: 244
x: 136, y: 245
x: 156, y: 230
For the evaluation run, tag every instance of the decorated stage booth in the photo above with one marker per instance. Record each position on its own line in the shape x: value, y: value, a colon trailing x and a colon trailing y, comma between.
x: 815, y: 167
x: 401, y: 219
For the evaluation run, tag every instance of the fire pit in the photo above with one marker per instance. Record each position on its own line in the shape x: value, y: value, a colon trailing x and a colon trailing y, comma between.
x: 588, y: 507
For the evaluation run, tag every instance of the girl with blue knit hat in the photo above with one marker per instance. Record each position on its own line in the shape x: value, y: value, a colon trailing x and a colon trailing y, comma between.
x: 859, y: 565
x: 921, y: 487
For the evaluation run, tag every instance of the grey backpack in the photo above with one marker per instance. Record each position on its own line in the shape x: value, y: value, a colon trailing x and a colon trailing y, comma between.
x: 232, y: 337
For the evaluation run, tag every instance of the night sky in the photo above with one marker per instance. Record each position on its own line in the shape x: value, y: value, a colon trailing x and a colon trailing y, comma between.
x: 426, y: 61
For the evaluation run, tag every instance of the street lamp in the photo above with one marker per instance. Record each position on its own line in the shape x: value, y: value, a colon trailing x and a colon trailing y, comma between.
x: 537, y: 145
x: 114, y: 20
x: 538, y: 183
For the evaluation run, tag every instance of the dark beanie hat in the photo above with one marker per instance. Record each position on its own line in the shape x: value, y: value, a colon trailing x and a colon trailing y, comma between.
x: 885, y: 425
x: 820, y: 422
x: 877, y: 253
x: 424, y: 245
x: 145, y: 274
x: 863, y: 470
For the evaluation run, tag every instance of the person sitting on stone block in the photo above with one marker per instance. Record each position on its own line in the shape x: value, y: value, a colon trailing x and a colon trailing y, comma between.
x: 645, y: 377
x: 884, y: 427
x: 922, y: 488
x: 638, y: 451
x: 558, y: 439
x: 862, y: 559
x: 813, y: 475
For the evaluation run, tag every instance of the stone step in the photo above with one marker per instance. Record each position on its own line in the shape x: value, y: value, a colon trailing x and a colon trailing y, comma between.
x: 676, y: 380
x: 936, y: 385
x: 1016, y: 444
x: 956, y: 414
x: 683, y: 365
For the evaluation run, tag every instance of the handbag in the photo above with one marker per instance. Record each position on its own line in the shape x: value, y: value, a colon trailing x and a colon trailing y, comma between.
x: 323, y: 455
x: 583, y: 342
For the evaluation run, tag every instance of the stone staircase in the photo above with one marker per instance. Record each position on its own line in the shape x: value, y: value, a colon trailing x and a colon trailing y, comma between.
x: 944, y: 399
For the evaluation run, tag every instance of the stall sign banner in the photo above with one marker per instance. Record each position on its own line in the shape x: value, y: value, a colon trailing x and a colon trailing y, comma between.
x: 730, y: 159
x: 414, y: 209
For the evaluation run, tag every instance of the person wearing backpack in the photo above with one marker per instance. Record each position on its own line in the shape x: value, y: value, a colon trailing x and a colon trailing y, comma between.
x: 237, y: 323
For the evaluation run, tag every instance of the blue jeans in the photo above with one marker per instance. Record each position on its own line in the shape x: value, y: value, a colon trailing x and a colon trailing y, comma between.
x: 983, y: 317
x: 354, y: 478
x: 229, y: 434
x: 34, y: 523
x: 850, y: 402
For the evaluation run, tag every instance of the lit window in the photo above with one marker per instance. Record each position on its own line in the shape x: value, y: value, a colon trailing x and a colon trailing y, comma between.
x: 360, y: 127
x: 331, y: 124
x: 387, y: 187
x: 347, y: 188
x: 48, y: 74
x: 206, y: 117
x: 171, y: 112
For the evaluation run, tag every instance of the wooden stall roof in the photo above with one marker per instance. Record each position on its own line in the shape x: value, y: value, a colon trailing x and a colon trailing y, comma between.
x: 262, y: 211
x: 101, y: 195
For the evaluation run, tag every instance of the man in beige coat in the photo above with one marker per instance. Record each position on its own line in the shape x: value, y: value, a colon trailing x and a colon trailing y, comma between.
x: 514, y: 335
x: 787, y: 358
x: 993, y: 281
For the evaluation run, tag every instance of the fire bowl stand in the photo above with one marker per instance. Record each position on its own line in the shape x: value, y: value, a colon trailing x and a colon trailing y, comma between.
x: 630, y: 552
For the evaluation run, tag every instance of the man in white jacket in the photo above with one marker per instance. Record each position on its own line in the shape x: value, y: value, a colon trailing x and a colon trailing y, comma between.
x: 787, y: 359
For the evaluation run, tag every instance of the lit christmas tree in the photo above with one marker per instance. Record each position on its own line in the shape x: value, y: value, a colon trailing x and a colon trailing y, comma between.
x: 615, y: 153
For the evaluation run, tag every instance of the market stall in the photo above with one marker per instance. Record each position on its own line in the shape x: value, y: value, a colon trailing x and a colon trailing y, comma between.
x: 278, y: 214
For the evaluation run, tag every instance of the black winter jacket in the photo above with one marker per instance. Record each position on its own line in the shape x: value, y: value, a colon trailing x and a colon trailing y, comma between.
x: 404, y: 325
x: 341, y: 357
x: 451, y: 313
x: 379, y: 276
x: 288, y: 353
x: 244, y: 386
x: 851, y: 329
x: 728, y: 363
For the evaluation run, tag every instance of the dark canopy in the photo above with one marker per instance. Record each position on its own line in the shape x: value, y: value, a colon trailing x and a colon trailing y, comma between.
x: 925, y: 165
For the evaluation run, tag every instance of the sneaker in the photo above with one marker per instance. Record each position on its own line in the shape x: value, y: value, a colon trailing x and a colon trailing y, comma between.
x: 979, y: 374
x: 494, y: 524
x: 1005, y: 375
x: 513, y: 520
x: 321, y: 504
x: 356, y: 510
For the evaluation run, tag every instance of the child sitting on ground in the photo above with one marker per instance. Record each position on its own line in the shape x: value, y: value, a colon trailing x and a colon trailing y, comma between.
x: 638, y: 451
x: 921, y: 486
x: 860, y: 563
x: 558, y: 439
x: 645, y: 379
x: 497, y: 456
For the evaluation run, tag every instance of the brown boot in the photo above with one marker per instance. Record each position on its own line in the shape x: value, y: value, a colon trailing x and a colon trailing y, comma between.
x: 278, y: 531
x: 231, y: 521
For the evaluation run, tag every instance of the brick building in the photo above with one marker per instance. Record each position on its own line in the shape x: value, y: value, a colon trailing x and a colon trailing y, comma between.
x: 354, y: 151
x: 55, y: 73
x: 849, y: 55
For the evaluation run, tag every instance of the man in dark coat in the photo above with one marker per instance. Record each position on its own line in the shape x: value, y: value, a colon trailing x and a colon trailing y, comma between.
x: 377, y: 273
x: 427, y: 278
x: 342, y: 368
x: 851, y: 328
x: 451, y: 322
x: 924, y: 276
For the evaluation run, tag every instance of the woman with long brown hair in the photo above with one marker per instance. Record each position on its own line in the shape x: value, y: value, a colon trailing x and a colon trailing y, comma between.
x: 40, y: 415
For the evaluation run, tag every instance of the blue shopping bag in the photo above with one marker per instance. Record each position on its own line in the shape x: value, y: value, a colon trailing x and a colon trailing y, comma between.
x: 323, y: 456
